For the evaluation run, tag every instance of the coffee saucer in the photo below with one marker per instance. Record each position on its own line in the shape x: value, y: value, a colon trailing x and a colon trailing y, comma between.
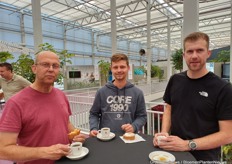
x: 163, y: 156
x: 99, y: 136
x: 84, y: 152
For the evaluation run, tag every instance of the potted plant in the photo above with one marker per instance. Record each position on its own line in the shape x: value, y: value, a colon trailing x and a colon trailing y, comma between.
x: 177, y: 59
x: 222, y: 56
x: 156, y: 72
x: 104, y: 67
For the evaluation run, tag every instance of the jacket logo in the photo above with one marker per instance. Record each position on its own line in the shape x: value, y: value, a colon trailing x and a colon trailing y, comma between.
x: 118, y: 115
x: 205, y: 94
x: 119, y: 103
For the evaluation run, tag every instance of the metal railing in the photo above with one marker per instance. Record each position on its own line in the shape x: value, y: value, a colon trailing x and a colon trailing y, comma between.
x: 80, y: 115
x: 80, y: 99
x: 154, y: 117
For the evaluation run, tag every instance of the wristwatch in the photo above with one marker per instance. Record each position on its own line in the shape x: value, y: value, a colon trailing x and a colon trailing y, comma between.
x: 192, y: 145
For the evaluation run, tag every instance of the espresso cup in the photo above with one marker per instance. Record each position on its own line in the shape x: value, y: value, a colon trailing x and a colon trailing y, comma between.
x: 105, y: 132
x: 160, y: 138
x: 76, y: 148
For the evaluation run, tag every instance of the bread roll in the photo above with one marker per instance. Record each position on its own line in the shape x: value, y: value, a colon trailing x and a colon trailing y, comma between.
x: 129, y: 136
x: 72, y: 134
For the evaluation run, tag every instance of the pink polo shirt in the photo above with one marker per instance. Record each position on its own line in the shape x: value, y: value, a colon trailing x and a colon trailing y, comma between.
x: 41, y: 119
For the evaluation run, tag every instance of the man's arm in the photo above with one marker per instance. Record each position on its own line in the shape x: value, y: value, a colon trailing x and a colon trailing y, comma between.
x: 166, y: 124
x: 94, y: 115
x: 94, y: 112
x: 222, y: 137
x: 1, y: 91
x: 166, y: 121
x: 70, y: 127
x: 1, y: 95
x: 141, y: 114
x: 9, y: 150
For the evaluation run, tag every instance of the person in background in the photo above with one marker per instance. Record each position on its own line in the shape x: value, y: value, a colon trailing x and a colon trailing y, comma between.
x: 91, y: 78
x: 118, y: 105
x: 198, y: 115
x: 35, y: 123
x: 10, y: 83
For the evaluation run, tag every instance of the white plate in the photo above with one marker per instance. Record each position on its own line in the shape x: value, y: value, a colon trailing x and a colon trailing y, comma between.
x: 84, y: 152
x: 99, y: 136
x: 162, y: 156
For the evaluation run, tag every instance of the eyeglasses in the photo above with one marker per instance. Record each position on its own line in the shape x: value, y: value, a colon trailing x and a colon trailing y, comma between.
x: 47, y: 65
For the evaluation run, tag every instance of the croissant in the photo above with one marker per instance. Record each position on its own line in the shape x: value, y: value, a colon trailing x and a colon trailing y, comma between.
x: 72, y: 134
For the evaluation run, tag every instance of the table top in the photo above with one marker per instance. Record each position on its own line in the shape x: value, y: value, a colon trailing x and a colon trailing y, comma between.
x: 117, y: 151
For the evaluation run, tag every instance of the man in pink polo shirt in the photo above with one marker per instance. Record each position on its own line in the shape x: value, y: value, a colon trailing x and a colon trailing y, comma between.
x: 35, y: 122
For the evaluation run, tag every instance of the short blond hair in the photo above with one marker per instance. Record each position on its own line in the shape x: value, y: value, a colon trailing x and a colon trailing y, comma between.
x: 195, y: 36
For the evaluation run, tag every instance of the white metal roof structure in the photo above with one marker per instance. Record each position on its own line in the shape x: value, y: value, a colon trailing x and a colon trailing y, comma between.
x: 214, y: 18
x: 13, y: 47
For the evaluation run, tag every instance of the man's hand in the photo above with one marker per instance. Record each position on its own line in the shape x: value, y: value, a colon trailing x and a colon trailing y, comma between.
x: 79, y: 138
x: 93, y: 133
x: 174, y: 143
x: 128, y: 128
x: 155, y: 140
x: 54, y: 152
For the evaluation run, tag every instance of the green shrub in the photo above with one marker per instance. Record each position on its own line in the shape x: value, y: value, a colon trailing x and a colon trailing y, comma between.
x: 227, y: 153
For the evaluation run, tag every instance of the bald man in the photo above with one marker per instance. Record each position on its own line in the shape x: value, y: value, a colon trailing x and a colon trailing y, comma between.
x: 35, y: 122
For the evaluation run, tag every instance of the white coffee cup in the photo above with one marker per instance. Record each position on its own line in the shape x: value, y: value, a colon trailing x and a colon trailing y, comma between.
x: 76, y: 148
x: 160, y: 138
x: 105, y: 132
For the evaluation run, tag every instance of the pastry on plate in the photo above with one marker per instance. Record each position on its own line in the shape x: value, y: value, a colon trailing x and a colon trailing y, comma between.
x: 129, y: 136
